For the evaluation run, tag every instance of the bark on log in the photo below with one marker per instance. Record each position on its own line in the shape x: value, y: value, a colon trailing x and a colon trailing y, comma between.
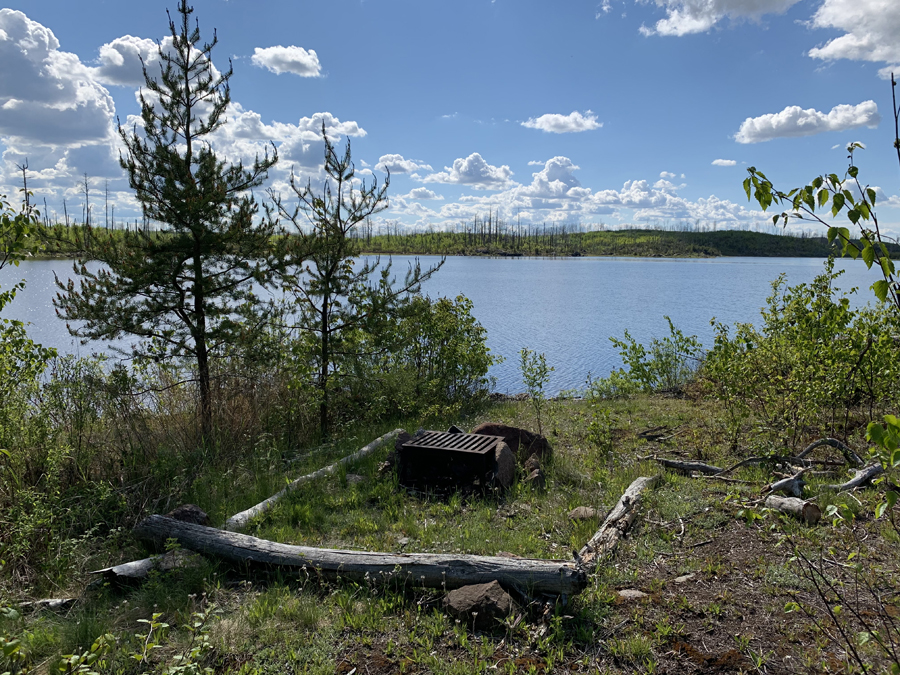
x: 239, y: 520
x: 556, y: 577
x: 852, y: 458
x: 803, y: 510
x: 616, y: 524
x: 861, y: 477
x: 688, y: 467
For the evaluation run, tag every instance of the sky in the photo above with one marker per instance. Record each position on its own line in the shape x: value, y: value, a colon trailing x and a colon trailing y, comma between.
x: 610, y: 113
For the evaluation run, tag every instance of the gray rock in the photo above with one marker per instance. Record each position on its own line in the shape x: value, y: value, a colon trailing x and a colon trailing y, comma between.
x: 479, y: 605
x: 523, y: 443
x: 355, y: 479
x: 684, y: 578
x: 631, y: 594
x: 583, y: 513
x: 504, y: 465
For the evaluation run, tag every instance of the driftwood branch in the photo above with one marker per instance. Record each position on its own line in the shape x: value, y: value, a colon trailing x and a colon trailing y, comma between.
x: 798, y: 508
x: 555, y: 577
x: 862, y: 477
x: 616, y: 524
x: 239, y: 520
x: 849, y: 454
x: 793, y: 485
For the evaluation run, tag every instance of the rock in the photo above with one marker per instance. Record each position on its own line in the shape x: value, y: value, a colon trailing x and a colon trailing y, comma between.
x: 631, y: 594
x: 583, y: 513
x: 684, y: 578
x: 523, y: 443
x: 402, y: 437
x: 479, y: 605
x: 536, y: 479
x: 504, y: 465
x: 532, y: 463
x: 354, y: 479
x: 455, y: 430
x: 189, y: 513
x: 403, y: 541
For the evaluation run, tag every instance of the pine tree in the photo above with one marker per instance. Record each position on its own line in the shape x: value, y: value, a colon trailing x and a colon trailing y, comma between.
x: 335, y: 297
x: 180, y: 289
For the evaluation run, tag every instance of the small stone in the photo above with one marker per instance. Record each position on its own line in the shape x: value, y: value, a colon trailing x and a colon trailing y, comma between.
x: 403, y: 541
x: 684, y: 578
x: 481, y: 605
x: 583, y: 513
x: 631, y: 594
x: 355, y: 479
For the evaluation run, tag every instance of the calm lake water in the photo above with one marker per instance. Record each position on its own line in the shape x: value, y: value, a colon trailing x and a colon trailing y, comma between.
x: 566, y: 308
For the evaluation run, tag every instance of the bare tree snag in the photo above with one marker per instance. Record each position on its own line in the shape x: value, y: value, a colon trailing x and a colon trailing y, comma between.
x: 798, y: 508
x: 849, y: 454
x: 554, y: 577
x: 860, y: 478
x: 616, y: 524
x: 688, y: 467
x: 239, y: 520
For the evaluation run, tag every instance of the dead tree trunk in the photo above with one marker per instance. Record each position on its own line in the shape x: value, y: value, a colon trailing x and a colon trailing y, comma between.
x: 554, y: 577
x: 616, y: 524
x: 860, y: 478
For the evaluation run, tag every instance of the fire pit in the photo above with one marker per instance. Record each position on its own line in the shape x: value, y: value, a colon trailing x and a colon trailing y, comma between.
x: 440, y: 459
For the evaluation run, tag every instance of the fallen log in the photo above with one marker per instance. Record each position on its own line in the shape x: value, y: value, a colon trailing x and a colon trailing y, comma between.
x: 798, y: 508
x: 849, y: 454
x: 688, y: 467
x: 616, y: 524
x: 862, y: 477
x: 556, y: 577
x: 239, y: 520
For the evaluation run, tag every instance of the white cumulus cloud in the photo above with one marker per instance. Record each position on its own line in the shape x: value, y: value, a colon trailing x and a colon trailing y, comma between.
x: 723, y: 162
x: 697, y: 16
x: 795, y: 121
x: 474, y: 171
x: 422, y: 193
x: 564, y: 124
x: 398, y: 164
x: 871, y: 32
x: 296, y: 60
x: 120, y: 60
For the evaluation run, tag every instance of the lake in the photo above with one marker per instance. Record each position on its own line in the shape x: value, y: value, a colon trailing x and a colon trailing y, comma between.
x: 567, y: 308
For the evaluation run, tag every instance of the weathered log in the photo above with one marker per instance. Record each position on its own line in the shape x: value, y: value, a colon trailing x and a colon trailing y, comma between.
x: 792, y: 485
x: 53, y: 604
x: 616, y: 524
x: 798, y: 508
x: 688, y: 467
x: 862, y: 477
x: 555, y: 577
x: 141, y: 569
x: 239, y: 520
x: 849, y: 454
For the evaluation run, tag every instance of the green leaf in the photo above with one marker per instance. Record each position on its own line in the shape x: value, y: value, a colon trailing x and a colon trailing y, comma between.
x: 891, y: 498
x: 853, y: 171
x: 823, y: 197
x: 849, y: 197
x: 747, y: 187
x: 887, y: 265
x: 837, y: 203
x: 868, y: 255
x: 880, y: 288
x: 870, y: 193
x: 817, y: 182
x: 853, y: 215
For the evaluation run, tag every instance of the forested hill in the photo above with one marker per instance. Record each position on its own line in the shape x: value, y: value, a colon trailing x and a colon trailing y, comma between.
x: 559, y: 242
x: 77, y: 241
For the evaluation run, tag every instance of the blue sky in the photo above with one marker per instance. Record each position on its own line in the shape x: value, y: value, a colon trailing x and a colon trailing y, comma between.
x: 612, y: 112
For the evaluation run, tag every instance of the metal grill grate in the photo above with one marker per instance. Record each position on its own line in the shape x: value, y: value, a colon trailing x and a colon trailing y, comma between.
x: 442, y: 440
